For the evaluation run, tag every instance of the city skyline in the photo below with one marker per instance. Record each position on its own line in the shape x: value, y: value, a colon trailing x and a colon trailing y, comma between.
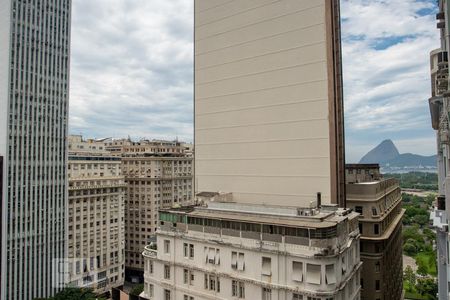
x: 139, y: 61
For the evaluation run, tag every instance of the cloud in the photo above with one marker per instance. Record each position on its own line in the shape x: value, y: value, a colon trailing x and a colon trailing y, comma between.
x: 386, y: 47
x: 131, y: 68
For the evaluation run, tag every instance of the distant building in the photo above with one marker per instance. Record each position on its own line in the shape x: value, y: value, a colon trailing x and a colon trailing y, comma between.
x: 95, y: 237
x: 158, y: 174
x: 128, y: 147
x: 78, y: 145
x: 242, y: 251
x: 379, y: 202
x: 268, y: 101
x: 356, y: 173
x: 439, y: 110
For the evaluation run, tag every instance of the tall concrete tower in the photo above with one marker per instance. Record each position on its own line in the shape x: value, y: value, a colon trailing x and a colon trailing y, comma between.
x: 268, y: 101
x: 34, y: 87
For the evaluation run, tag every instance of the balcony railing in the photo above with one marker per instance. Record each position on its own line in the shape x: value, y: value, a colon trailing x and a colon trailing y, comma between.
x: 149, y: 252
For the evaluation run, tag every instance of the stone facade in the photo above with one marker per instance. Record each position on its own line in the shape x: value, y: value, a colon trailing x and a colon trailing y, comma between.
x: 378, y: 200
x: 96, y: 249
x: 153, y: 181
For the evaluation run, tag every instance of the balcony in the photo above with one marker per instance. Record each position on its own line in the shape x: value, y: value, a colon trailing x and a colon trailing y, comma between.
x: 149, y: 252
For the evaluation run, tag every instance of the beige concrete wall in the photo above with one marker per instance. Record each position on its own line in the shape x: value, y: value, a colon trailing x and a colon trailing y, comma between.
x: 262, y: 128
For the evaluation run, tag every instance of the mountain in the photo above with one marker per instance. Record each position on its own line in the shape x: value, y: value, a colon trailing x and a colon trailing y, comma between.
x: 409, y: 159
x: 382, y: 153
x: 386, y: 154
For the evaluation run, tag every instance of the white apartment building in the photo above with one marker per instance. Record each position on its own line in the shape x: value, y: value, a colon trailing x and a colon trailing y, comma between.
x: 244, y: 251
x: 95, y: 236
x: 34, y: 94
x: 439, y: 110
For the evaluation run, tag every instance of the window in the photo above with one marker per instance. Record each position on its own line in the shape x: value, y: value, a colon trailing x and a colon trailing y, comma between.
x: 376, y: 228
x: 166, y: 246
x: 185, y: 276
x: 237, y: 261
x: 191, y: 250
x: 297, y: 271
x: 313, y: 274
x: 238, y: 289
x: 212, y: 283
x: 166, y: 295
x: 377, y: 285
x: 374, y: 211
x: 344, y: 265
x: 188, y: 250
x: 241, y: 264
x: 217, y: 257
x: 377, y: 266
x: 233, y: 260
x: 211, y: 256
x: 360, y: 225
x: 330, y: 275
x: 166, y: 272
x: 266, y: 266
x: 234, y: 288
x: 359, y: 209
x: 241, y: 290
x: 150, y: 267
x: 266, y: 294
x: 151, y: 290
x: 186, y: 297
x: 297, y: 297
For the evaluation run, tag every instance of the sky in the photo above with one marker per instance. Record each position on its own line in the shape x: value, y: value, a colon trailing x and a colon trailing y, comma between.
x: 132, y: 71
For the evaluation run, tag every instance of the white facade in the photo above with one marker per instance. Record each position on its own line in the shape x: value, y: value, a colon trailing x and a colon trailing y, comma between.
x: 213, y: 262
x: 34, y: 85
x: 439, y: 109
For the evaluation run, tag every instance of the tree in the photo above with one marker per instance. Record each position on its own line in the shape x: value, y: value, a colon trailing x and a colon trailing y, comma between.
x: 410, y: 277
x: 422, y: 220
x: 422, y: 269
x: 431, y: 236
x: 76, y: 294
x: 137, y: 290
x: 428, y: 287
x: 410, y: 249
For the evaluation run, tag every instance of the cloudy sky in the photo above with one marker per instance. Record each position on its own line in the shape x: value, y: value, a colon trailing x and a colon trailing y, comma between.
x: 132, y: 71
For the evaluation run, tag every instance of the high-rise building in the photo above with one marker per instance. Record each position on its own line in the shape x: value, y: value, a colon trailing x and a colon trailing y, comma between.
x: 378, y: 200
x: 96, y: 224
x: 34, y: 91
x: 268, y: 101
x: 249, y: 251
x: 158, y: 174
x: 439, y: 110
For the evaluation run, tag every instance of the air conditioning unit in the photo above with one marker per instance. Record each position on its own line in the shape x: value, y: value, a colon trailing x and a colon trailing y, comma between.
x: 234, y: 266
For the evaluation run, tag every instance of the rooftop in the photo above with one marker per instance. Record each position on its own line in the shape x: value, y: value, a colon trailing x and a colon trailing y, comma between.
x: 324, y: 217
